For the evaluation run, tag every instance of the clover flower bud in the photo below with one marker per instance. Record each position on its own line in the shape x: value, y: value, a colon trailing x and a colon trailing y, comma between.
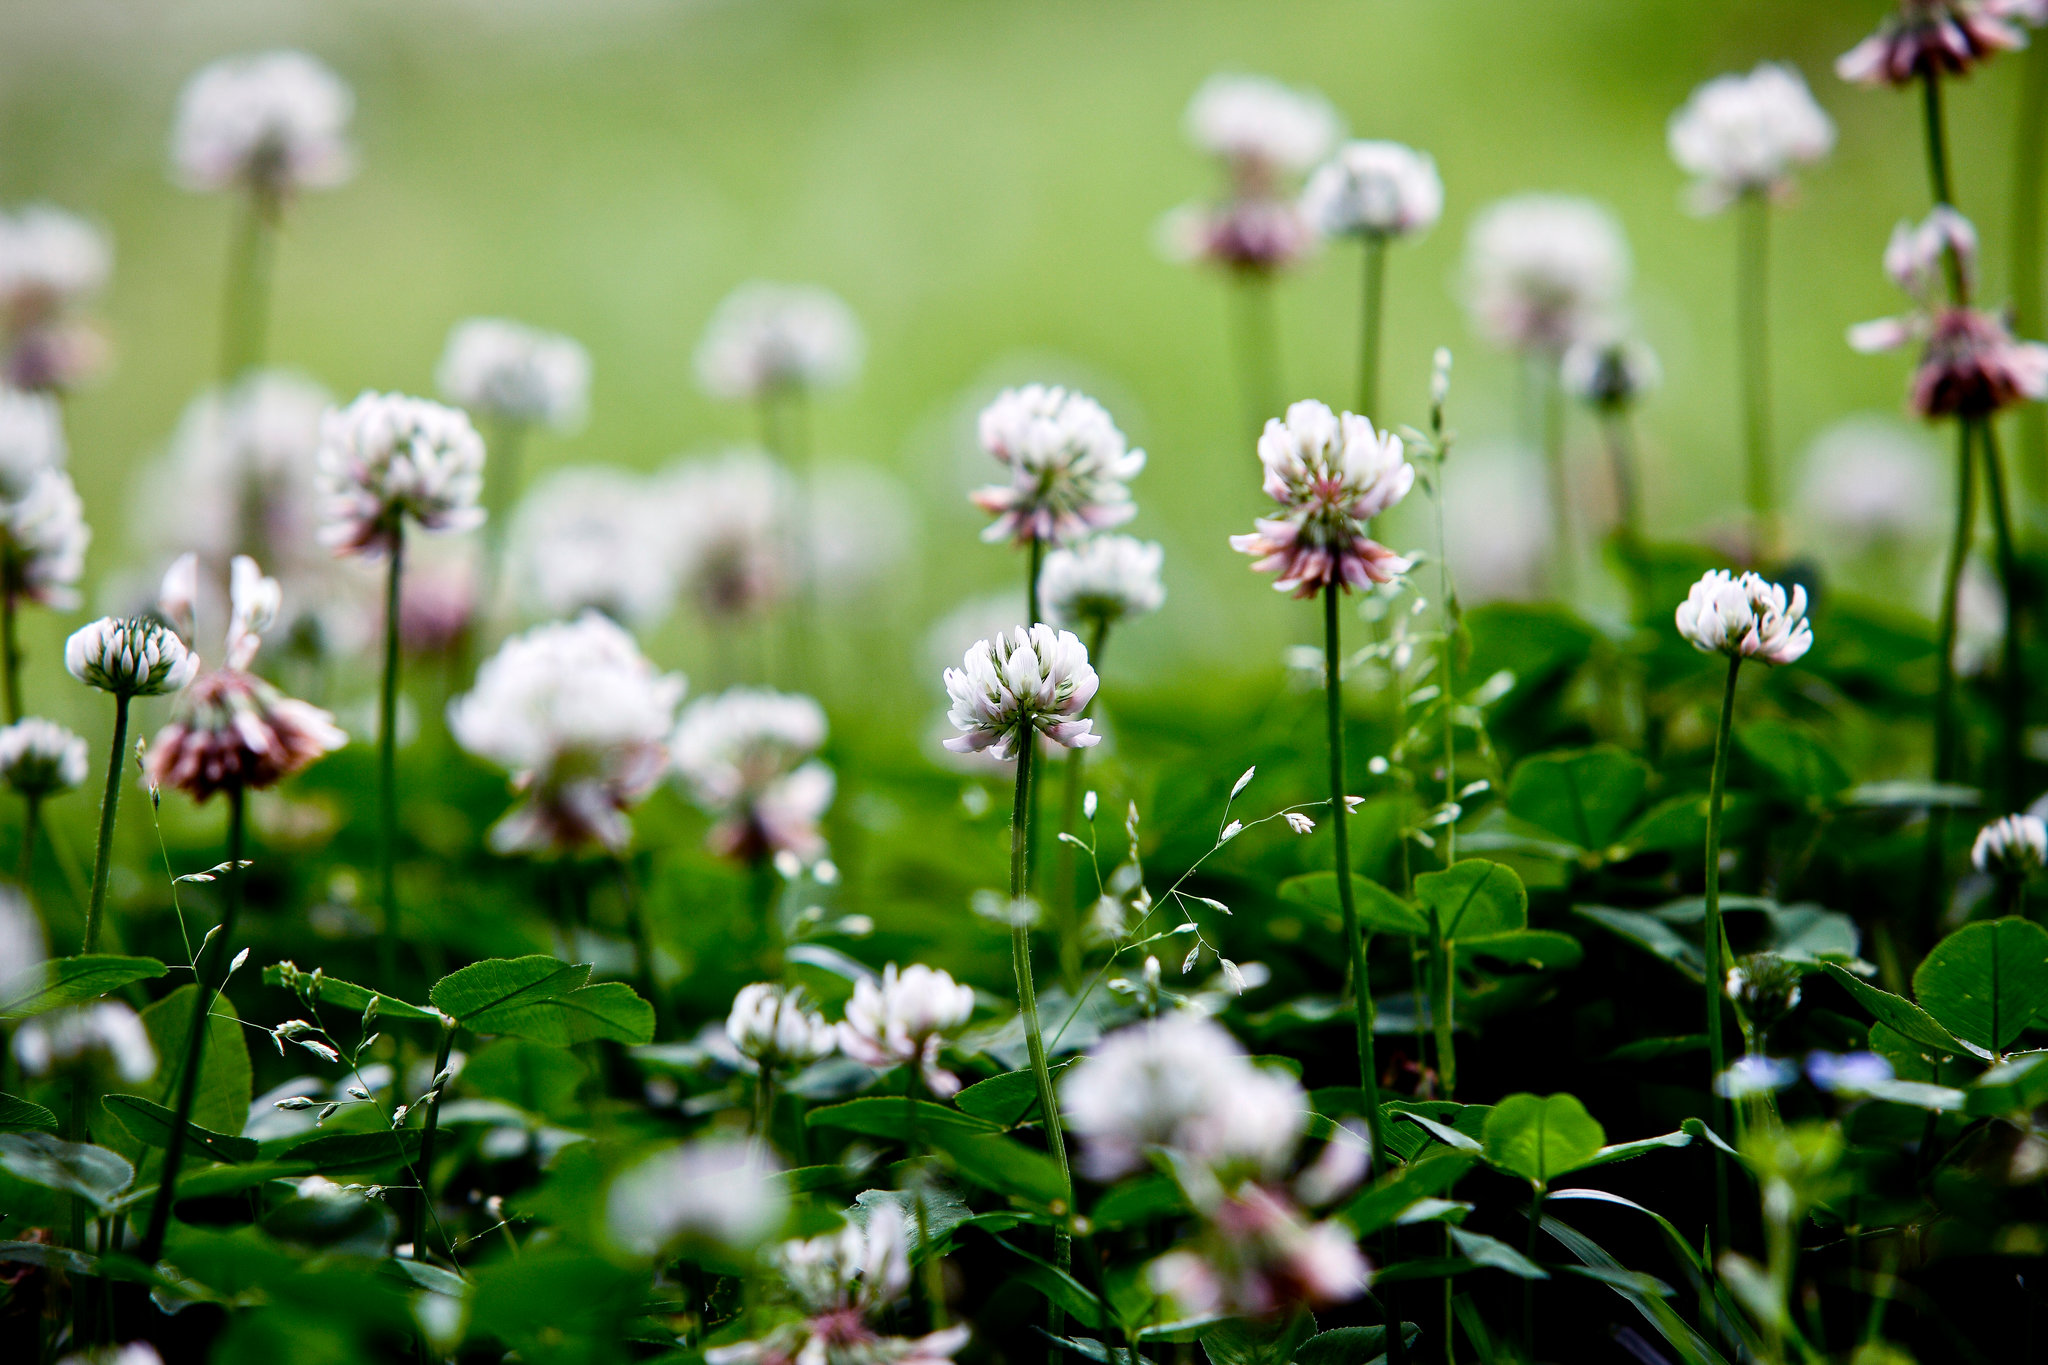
x: 1374, y: 189
x: 108, y: 1035
x: 2011, y: 846
x: 904, y: 1019
x: 1765, y: 988
x: 1933, y: 37
x: 509, y: 372
x: 775, y: 1027
x: 1542, y: 270
x: 770, y: 338
x: 1331, y: 474
x: 1745, y: 616
x: 132, y: 657
x: 41, y: 758
x: 1030, y: 680
x: 1745, y: 134
x: 272, y: 123
x: 1609, y: 375
x: 1067, y: 461
x: 1439, y: 378
x: 1106, y: 579
x: 386, y: 457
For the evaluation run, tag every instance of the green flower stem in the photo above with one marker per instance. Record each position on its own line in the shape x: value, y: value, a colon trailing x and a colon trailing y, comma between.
x: 761, y: 904
x: 1354, y: 942
x: 1938, y: 173
x: 1753, y: 319
x: 1369, y: 326
x: 31, y: 812
x: 423, y: 1200
x: 1443, y: 985
x: 110, y: 803
x: 387, y: 760
x: 1711, y: 940
x: 211, y: 973
x: 2029, y: 165
x: 245, y: 304
x: 1257, y: 347
x: 10, y: 653
x: 502, y: 480
x: 1065, y: 893
x: 1548, y: 399
x: 1951, y: 587
x: 2012, y: 668
x: 1027, y: 1005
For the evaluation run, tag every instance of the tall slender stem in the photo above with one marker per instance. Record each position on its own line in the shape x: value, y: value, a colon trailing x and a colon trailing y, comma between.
x: 210, y: 974
x: 1710, y: 946
x: 503, y: 477
x: 1066, y: 895
x: 1951, y: 589
x: 10, y: 652
x: 1753, y: 312
x: 1369, y: 326
x: 1549, y: 403
x: 1354, y: 942
x: 423, y: 1200
x: 1034, y: 561
x: 387, y: 759
x: 1938, y: 172
x: 245, y: 303
x: 1027, y: 1001
x: 31, y: 812
x: 1628, y: 496
x: 2012, y: 669
x: 110, y: 802
x: 2029, y: 167
x: 1257, y: 347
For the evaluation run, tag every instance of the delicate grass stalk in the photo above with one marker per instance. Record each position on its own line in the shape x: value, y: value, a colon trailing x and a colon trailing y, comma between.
x: 1711, y: 938
x: 2012, y: 668
x: 424, y: 1199
x: 387, y: 759
x: 1354, y: 942
x: 1753, y: 325
x: 1369, y: 325
x: 1529, y: 1286
x: 1257, y: 346
x: 110, y: 803
x: 2029, y: 167
x: 1065, y: 893
x: 210, y: 974
x: 245, y: 306
x: 643, y: 945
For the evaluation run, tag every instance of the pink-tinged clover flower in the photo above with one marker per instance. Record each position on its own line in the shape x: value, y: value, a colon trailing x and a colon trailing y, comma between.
x: 509, y: 372
x: 1544, y: 270
x: 769, y: 338
x: 1068, y: 464
x: 747, y: 757
x: 1746, y: 616
x: 1745, y: 134
x: 386, y: 457
x: 273, y: 123
x: 775, y: 1027
x: 904, y: 1018
x: 1936, y: 37
x: 52, y: 263
x: 1036, y: 679
x: 1332, y: 474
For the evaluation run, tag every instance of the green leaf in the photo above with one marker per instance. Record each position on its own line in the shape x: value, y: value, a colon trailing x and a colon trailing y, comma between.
x: 1985, y: 982
x: 1649, y: 933
x: 1792, y: 759
x: 1481, y: 1249
x: 2015, y: 1087
x: 152, y: 1124
x: 1586, y: 797
x: 1258, y: 1341
x: 1351, y: 1345
x: 1474, y: 899
x: 69, y: 980
x: 1540, y: 1137
x: 943, y: 1212
x: 1543, y: 950
x: 67, y: 1167
x: 893, y: 1116
x: 485, y: 995
x: 611, y: 1010
x: 345, y: 994
x: 221, y: 1104
x: 1058, y: 1287
x: 1008, y: 1099
x: 18, y: 1115
x: 1898, y: 1014
x: 1139, y: 1200
x: 353, y: 1151
x: 998, y: 1163
x: 1380, y: 911
x: 1431, y: 1175
x: 1625, y: 1151
x: 1911, y: 795
x: 534, y: 1077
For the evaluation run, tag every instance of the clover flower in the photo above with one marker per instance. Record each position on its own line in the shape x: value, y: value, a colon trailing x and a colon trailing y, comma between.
x: 52, y: 263
x: 716, y: 1192
x: 1765, y: 987
x: 1260, y: 129
x: 1257, y: 1256
x: 1745, y: 616
x: 769, y: 338
x: 21, y: 937
x: 733, y: 519
x: 271, y: 123
x: 1067, y: 463
x: 1870, y: 480
x: 43, y: 538
x: 1970, y: 365
x: 746, y: 756
x: 579, y: 718
x: 1745, y: 134
x: 1609, y: 374
x: 1543, y: 270
x: 509, y: 372
x: 40, y: 758
x: 134, y: 1353
x: 386, y: 457
x: 129, y: 657
x: 775, y: 1027
x: 1928, y: 37
x: 234, y: 731
x: 1036, y: 679
x: 2011, y: 846
x: 240, y: 473
x: 1374, y: 189
x: 1332, y: 474
x: 903, y: 1019
x: 31, y: 439
x: 1251, y: 235
x: 595, y: 538
x: 105, y: 1036
x: 1104, y: 580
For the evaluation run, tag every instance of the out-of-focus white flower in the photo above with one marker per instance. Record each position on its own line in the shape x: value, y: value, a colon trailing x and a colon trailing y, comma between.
x: 903, y: 1020
x: 442, y: 589
x: 776, y: 1028
x: 31, y: 439
x: 43, y: 538
x: 1609, y: 373
x: 1543, y: 270
x: 766, y: 338
x: 41, y: 758
x: 386, y: 457
x: 509, y: 372
x: 2012, y: 845
x: 1374, y: 189
x: 21, y: 936
x: 1747, y: 616
x: 862, y: 524
x: 1254, y: 235
x: 579, y: 718
x: 1746, y: 134
x: 1936, y: 37
x: 746, y: 756
x: 1259, y: 128
x: 1067, y: 463
x: 271, y: 123
x: 1257, y: 1256
x: 1331, y: 475
x: 1870, y: 479
x: 1103, y: 581
x: 240, y: 474
x: 51, y: 262
x: 733, y: 518
x: 1755, y: 1075
x: 134, y: 1353
x: 1181, y: 1082
x: 716, y: 1191
x: 106, y: 1034
x: 1497, y: 522
x: 595, y: 538
x: 1980, y: 619
x: 1847, y: 1072
x: 133, y: 657
x: 1009, y: 686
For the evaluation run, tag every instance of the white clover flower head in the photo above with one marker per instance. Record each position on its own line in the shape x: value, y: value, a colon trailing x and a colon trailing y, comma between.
x: 240, y: 468
x: 22, y: 948
x: 2011, y: 846
x: 386, y: 457
x: 1541, y: 270
x: 904, y: 1018
x: 31, y: 439
x: 857, y: 1269
x: 592, y: 537
x: 1745, y: 134
x: 775, y: 1027
x: 41, y: 758
x: 580, y: 719
x: 1034, y: 679
x: 1259, y: 128
x: 717, y: 1192
x: 271, y: 123
x: 108, y: 1034
x: 1746, y: 616
x: 734, y: 522
x: 43, y: 539
x: 746, y: 756
x: 1331, y: 475
x: 134, y: 1353
x: 51, y: 262
x: 129, y: 657
x: 1609, y: 373
x: 1106, y: 579
x: 1870, y: 479
x: 1181, y: 1082
x: 510, y: 372
x: 768, y: 338
x: 1067, y: 461
x: 1374, y: 189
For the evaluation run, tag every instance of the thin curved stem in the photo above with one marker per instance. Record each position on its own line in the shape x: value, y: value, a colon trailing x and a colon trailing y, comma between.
x: 1938, y: 173
x: 1370, y: 325
x: 387, y: 759
x: 1354, y: 941
x: 245, y: 303
x: 1752, y: 306
x: 110, y: 804
x: 1711, y: 936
